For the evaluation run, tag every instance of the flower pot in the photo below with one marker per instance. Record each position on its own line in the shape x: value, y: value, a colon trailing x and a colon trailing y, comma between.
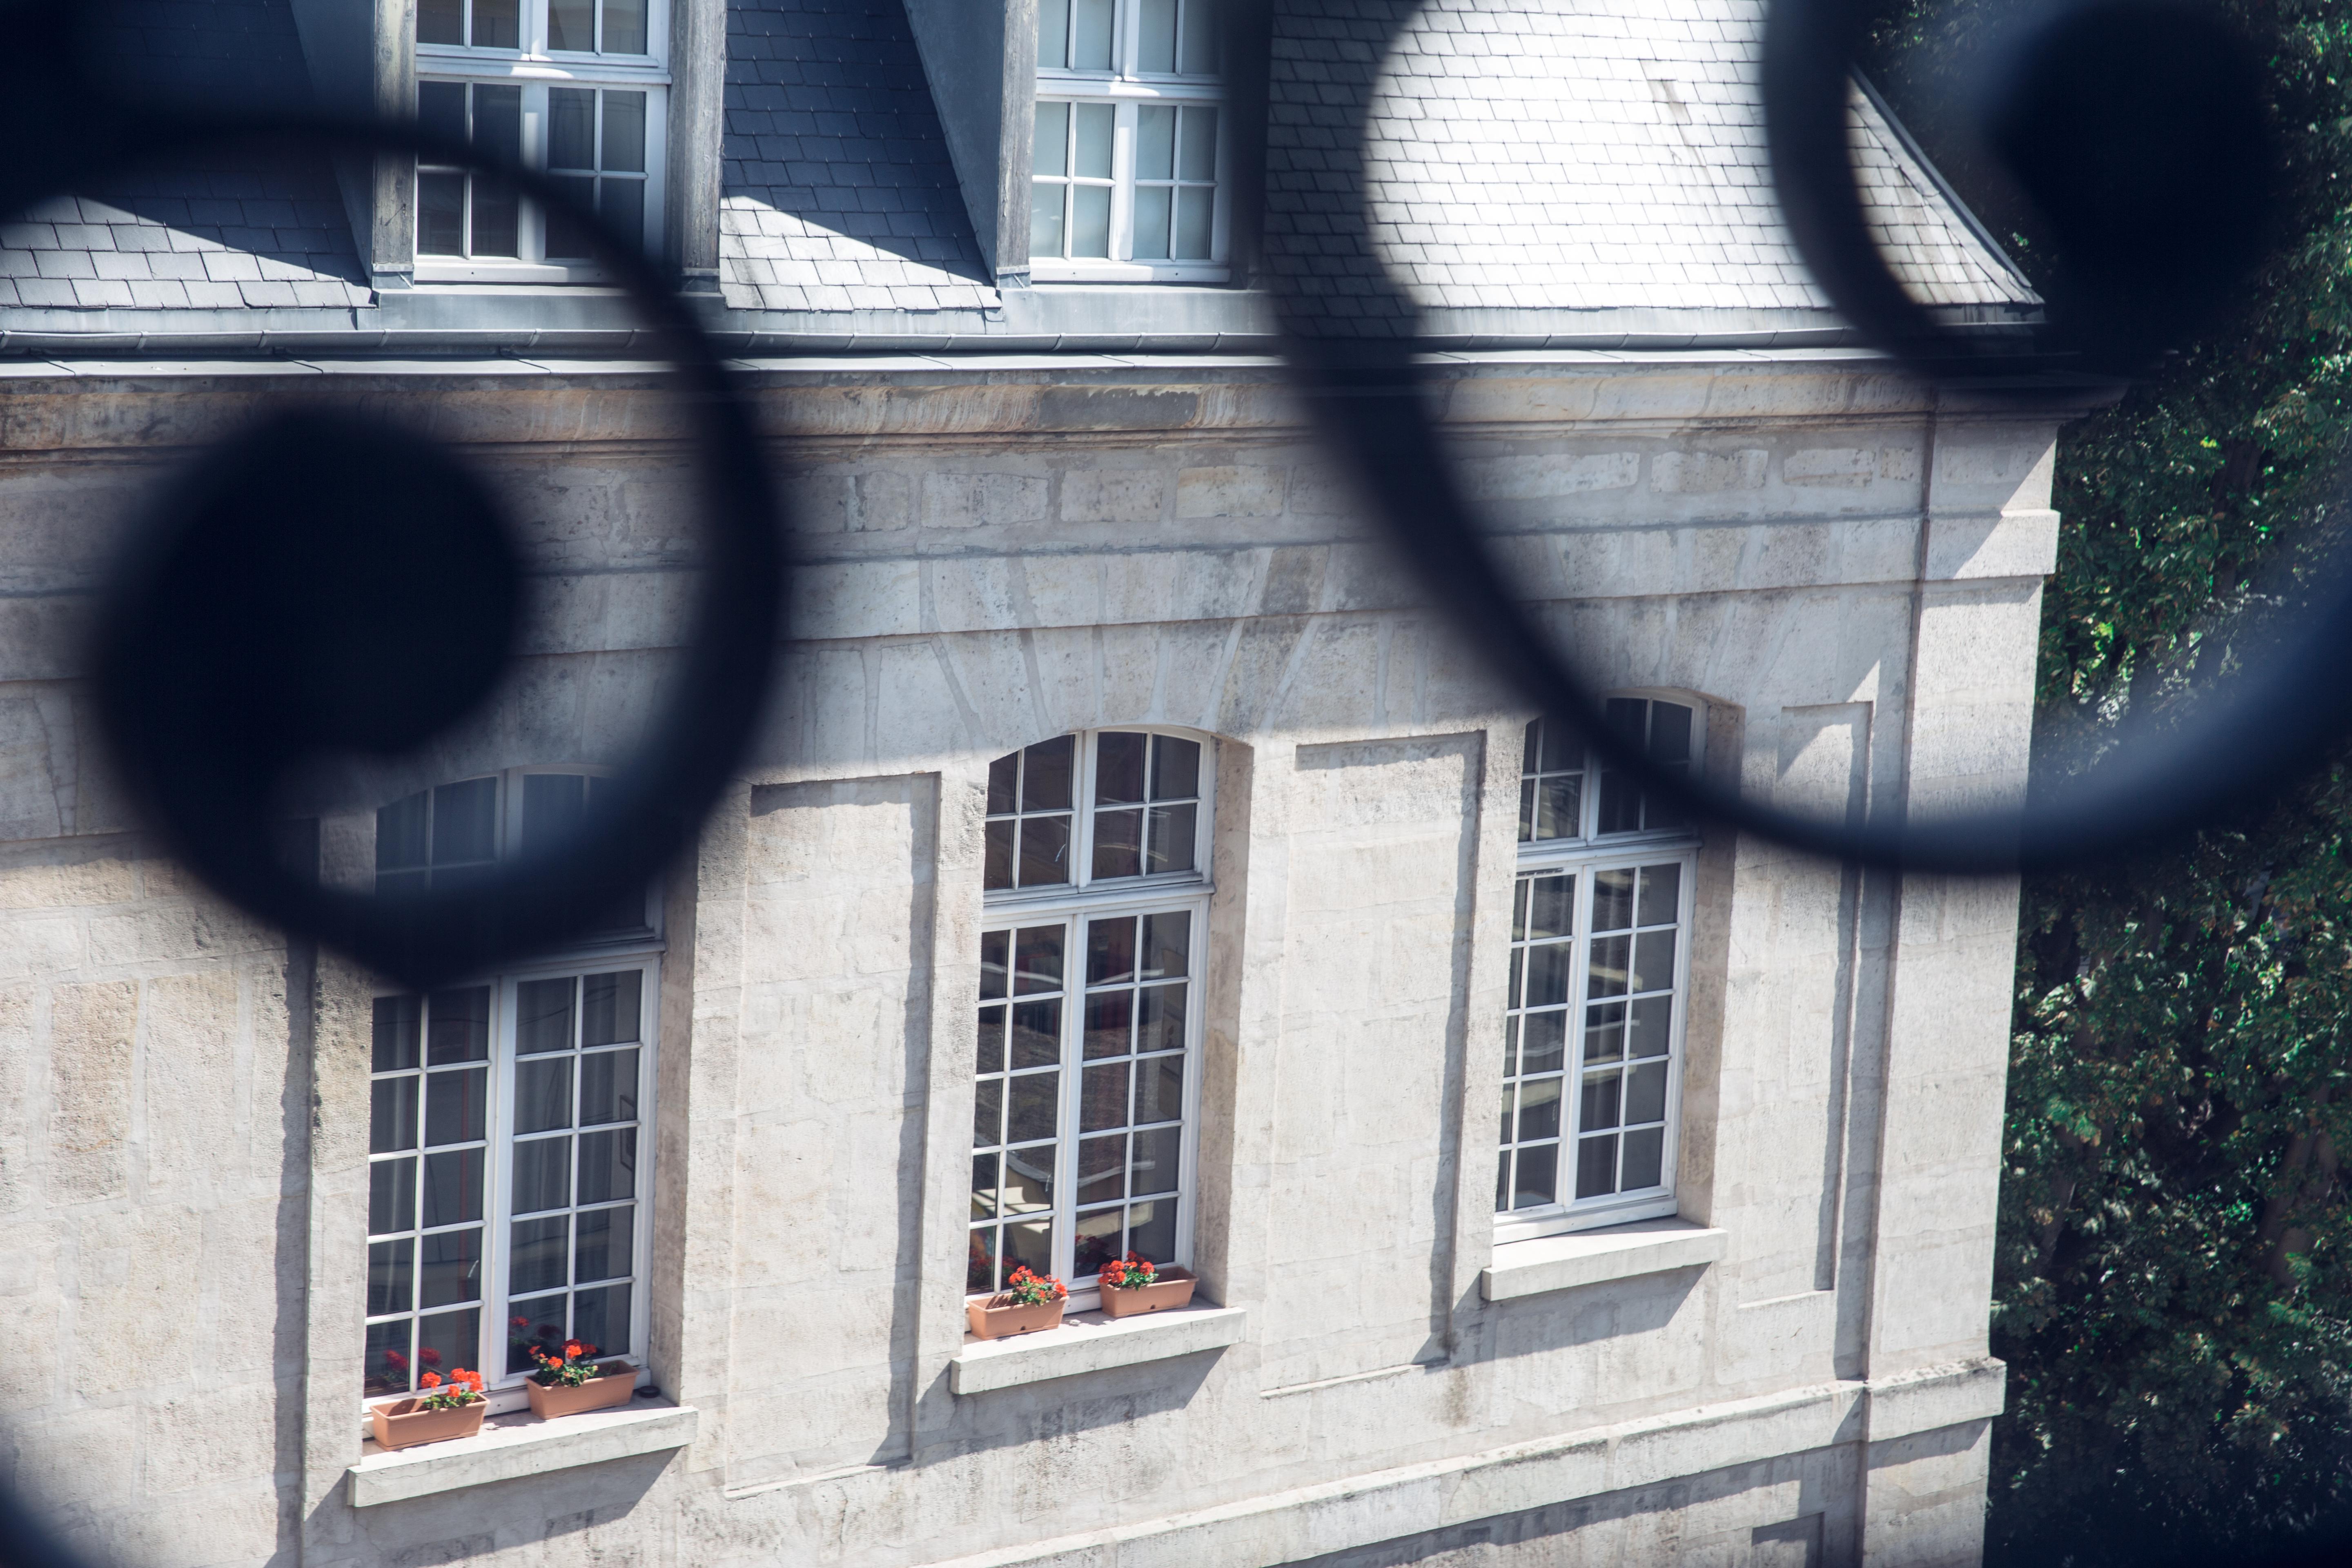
x: 1173, y: 1287
x: 404, y: 1423
x: 612, y: 1384
x: 1001, y: 1315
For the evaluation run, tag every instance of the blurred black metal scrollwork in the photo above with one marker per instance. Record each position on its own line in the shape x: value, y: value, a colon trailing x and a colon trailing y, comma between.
x: 2135, y: 125
x: 269, y: 611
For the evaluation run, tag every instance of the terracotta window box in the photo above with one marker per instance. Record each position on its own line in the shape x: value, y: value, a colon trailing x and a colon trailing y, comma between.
x: 612, y: 1384
x: 404, y: 1423
x: 1170, y: 1288
x: 999, y: 1317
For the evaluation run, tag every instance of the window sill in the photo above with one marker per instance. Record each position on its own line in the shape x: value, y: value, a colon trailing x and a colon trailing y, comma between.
x: 1549, y: 1263
x: 1089, y: 1342
x: 513, y: 1446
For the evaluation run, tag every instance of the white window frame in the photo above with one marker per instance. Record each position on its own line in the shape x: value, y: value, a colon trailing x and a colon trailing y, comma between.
x: 534, y: 68
x: 1127, y: 88
x: 1072, y: 904
x: 643, y: 951
x: 1586, y: 854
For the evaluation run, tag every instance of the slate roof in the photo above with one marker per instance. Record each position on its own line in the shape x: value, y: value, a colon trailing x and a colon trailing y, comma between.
x: 838, y: 192
x: 222, y: 232
x: 1527, y: 154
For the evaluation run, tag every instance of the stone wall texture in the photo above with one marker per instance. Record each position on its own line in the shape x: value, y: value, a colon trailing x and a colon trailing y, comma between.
x: 1846, y: 570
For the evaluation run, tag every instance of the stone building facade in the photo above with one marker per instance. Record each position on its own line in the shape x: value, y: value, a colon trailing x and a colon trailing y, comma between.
x: 1129, y: 861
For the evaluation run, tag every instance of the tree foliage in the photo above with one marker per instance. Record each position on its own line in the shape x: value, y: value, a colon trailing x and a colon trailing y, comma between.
x: 2173, y: 1289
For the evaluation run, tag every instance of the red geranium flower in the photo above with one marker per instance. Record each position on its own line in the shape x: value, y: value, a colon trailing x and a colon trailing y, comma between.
x: 430, y: 1380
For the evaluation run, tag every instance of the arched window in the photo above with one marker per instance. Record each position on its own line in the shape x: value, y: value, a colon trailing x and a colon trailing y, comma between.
x: 1092, y: 943
x: 509, y: 1158
x: 1600, y: 925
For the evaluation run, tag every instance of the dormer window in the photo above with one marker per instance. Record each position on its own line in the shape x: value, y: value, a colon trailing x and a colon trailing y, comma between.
x: 578, y: 88
x: 1130, y: 142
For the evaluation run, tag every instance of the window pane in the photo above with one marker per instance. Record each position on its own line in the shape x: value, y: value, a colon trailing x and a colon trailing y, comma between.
x: 1090, y: 142
x: 998, y: 872
x: 441, y: 21
x: 980, y: 1261
x: 1052, y: 153
x: 1604, y: 1032
x: 1643, y: 1156
x: 571, y: 24
x: 397, y: 1022
x: 624, y: 27
x: 1540, y: 1109
x: 1198, y: 147
x: 1097, y: 1239
x: 392, y: 1115
x: 1109, y: 1020
x: 441, y: 216
x: 601, y: 1317
x: 1054, y: 34
x: 988, y: 1114
x: 399, y: 832
x: 498, y: 23
x: 1028, y: 1180
x: 1032, y: 1110
x: 611, y: 1008
x: 1175, y: 768
x: 1198, y: 54
x: 992, y: 948
x: 1548, y: 969
x: 543, y: 1015
x: 392, y: 1195
x: 608, y: 1165
x: 1003, y: 775
x: 1152, y: 1167
x: 1102, y: 1168
x: 1159, y: 1089
x: 497, y: 226
x: 1612, y: 956
x: 1045, y: 202
x: 1539, y: 1181
x: 1119, y: 767
x: 624, y: 132
x: 542, y: 1095
x: 1597, y: 1111
x: 1152, y: 1230
x: 1102, y: 1098
x: 571, y: 145
x: 542, y: 1174
x: 1167, y: 945
x: 1037, y: 960
x: 623, y: 207
x: 388, y: 1359
x: 391, y: 1275
x: 1044, y: 851
x: 1046, y: 773
x: 1110, y: 950
x: 1559, y: 807
x: 1653, y: 1019
x: 453, y: 1187
x: 605, y: 1244
x: 531, y: 1323
x: 1037, y: 1035
x: 450, y: 1269
x: 1596, y: 1166
x: 1654, y: 961
x: 454, y: 1103
x: 1550, y: 906
x: 460, y: 1028
x: 608, y: 1087
x: 987, y: 1200
x: 567, y: 237
x: 449, y: 1340
x: 1612, y: 900
x: 1090, y: 36
x: 535, y: 1254
x: 1544, y: 1044
x: 1155, y: 145
x: 1119, y: 844
x: 1195, y: 215
x: 1661, y: 894
x: 1160, y: 1025
x: 1645, y: 1093
x: 553, y: 804
x: 464, y: 820
x: 1155, y: 43
x: 1174, y: 829
x: 1029, y: 1243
